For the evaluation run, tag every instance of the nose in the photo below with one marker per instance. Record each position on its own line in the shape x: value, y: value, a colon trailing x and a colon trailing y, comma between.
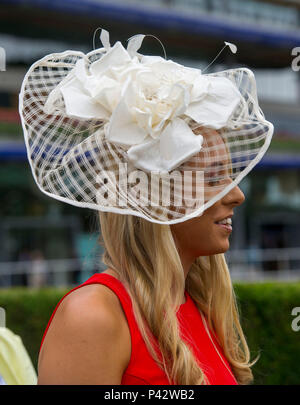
x: 235, y: 197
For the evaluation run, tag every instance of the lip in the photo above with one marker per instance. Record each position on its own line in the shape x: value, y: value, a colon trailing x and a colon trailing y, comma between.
x: 227, y: 228
x: 221, y: 219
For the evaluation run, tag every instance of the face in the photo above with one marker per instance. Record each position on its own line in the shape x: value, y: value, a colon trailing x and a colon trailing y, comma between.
x: 203, y: 235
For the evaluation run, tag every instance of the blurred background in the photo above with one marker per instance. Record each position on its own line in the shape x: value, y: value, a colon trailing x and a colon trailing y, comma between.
x: 44, y: 242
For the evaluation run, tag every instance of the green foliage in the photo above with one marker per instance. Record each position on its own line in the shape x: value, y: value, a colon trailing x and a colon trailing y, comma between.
x: 27, y: 314
x: 266, y: 319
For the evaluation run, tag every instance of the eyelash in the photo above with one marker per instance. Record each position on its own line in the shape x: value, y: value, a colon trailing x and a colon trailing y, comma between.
x: 212, y: 175
x: 213, y: 182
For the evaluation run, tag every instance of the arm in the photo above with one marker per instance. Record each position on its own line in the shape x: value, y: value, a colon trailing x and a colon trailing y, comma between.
x: 88, y: 341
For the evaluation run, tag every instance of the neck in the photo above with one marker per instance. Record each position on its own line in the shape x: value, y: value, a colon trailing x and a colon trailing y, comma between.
x: 186, y: 260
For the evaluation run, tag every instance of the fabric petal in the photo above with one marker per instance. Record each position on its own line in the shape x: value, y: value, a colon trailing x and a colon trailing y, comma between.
x: 143, y: 119
x: 176, y: 144
x: 80, y: 71
x: 201, y: 87
x: 117, y: 55
x: 175, y: 104
x: 146, y: 156
x: 108, y: 97
x: 216, y: 108
x: 149, y: 60
x: 163, y: 66
x: 180, y: 96
x: 134, y: 44
x: 232, y: 46
x: 79, y: 104
x: 122, y: 129
x: 104, y: 37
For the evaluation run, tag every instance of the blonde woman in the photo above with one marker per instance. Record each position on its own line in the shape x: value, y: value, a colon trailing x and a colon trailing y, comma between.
x: 94, y: 337
x: 164, y: 310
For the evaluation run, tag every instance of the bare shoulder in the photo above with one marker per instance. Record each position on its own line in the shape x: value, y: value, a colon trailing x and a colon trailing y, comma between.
x: 88, y: 341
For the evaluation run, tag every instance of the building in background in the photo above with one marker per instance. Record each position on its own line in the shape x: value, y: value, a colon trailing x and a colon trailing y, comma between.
x: 265, y: 241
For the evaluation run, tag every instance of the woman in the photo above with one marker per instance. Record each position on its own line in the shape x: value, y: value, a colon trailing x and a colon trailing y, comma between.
x: 164, y: 310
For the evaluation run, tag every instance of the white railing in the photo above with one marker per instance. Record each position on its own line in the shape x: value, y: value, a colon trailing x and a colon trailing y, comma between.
x: 248, y: 264
x: 245, y: 265
x: 40, y: 273
x: 255, y: 276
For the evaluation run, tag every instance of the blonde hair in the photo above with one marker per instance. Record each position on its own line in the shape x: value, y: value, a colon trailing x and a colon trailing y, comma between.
x: 145, y: 257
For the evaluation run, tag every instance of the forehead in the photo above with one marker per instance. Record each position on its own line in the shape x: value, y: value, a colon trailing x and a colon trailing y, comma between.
x: 213, y: 152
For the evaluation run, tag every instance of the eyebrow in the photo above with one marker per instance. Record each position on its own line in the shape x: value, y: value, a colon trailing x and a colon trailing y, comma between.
x: 226, y: 166
x: 216, y: 164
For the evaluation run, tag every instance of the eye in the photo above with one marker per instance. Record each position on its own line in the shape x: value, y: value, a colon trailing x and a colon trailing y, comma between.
x: 213, y: 178
x: 216, y: 175
x: 213, y: 183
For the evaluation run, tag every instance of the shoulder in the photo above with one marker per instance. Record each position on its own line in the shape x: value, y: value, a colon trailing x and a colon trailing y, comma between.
x: 88, y: 340
x: 92, y: 308
x: 94, y: 302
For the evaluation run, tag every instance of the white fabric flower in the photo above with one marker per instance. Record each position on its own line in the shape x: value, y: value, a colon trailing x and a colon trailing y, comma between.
x: 144, y: 101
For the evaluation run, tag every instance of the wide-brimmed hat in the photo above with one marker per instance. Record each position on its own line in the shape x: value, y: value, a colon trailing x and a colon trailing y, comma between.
x: 115, y: 130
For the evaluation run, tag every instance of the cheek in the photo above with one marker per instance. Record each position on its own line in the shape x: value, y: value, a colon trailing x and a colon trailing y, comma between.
x: 200, y: 237
x: 205, y: 238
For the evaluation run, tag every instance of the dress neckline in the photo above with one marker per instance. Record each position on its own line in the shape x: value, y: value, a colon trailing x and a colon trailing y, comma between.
x: 187, y: 299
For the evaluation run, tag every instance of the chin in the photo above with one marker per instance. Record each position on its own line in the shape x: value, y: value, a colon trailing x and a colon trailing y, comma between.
x: 221, y: 249
x: 225, y: 248
x: 215, y: 250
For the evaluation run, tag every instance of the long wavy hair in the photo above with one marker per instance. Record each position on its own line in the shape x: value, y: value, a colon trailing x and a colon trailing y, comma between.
x: 147, y: 262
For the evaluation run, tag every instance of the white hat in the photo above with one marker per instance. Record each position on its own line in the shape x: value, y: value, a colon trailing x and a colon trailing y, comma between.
x: 115, y: 130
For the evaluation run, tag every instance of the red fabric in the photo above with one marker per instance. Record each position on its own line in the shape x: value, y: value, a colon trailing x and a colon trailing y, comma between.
x: 142, y: 369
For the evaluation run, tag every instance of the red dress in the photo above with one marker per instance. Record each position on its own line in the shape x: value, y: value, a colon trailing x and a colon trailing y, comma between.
x: 142, y: 369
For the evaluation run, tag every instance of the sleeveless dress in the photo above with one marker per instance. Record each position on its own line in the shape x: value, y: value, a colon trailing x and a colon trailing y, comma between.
x: 142, y: 369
